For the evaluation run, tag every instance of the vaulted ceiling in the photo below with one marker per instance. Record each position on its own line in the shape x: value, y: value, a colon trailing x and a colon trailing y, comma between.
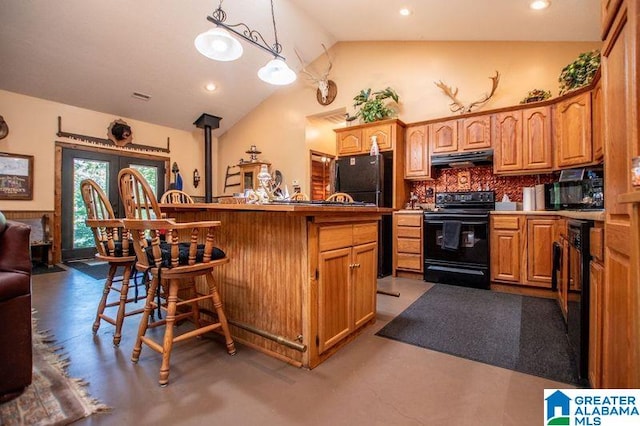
x: 95, y: 55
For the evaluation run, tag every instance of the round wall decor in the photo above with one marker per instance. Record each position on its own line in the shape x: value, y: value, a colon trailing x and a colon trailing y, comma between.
x: 120, y: 133
x: 4, y: 128
x: 332, y: 91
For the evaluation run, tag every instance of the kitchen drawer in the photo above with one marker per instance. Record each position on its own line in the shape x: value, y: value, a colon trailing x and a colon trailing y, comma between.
x: 334, y: 237
x: 409, y: 245
x: 506, y: 222
x: 409, y: 219
x: 596, y: 244
x: 410, y: 261
x: 365, y: 233
x: 407, y: 232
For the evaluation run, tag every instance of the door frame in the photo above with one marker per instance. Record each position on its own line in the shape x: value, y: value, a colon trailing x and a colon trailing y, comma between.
x: 57, y: 215
x: 312, y: 159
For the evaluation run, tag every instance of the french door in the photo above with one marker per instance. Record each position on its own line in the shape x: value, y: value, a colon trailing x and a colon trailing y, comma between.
x: 77, y: 240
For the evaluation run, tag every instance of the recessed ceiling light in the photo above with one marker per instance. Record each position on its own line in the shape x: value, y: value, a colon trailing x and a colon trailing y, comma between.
x: 405, y: 12
x: 210, y: 87
x: 539, y: 4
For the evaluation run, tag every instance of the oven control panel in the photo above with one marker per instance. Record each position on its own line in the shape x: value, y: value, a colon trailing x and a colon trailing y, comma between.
x: 481, y: 198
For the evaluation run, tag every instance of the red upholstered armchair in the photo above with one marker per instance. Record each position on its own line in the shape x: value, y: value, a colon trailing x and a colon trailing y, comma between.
x: 15, y: 309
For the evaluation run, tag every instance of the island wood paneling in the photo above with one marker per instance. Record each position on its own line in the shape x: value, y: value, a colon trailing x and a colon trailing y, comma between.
x: 270, y: 282
x: 260, y: 286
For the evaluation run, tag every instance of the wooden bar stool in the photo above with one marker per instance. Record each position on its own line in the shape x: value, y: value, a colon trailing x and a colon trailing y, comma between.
x: 175, y: 196
x: 172, y: 265
x: 340, y: 197
x: 112, y: 246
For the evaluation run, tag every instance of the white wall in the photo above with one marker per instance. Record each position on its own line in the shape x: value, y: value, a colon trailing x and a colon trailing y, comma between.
x: 278, y: 126
x: 33, y: 124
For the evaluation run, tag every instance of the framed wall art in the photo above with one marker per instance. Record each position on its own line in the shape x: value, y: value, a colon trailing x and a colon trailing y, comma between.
x: 16, y: 176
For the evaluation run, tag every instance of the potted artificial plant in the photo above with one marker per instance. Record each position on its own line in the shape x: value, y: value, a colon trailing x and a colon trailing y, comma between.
x: 374, y: 106
x: 579, y: 72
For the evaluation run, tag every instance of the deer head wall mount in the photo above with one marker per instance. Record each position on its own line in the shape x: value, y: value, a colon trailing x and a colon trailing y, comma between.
x: 457, y: 106
x: 327, y: 89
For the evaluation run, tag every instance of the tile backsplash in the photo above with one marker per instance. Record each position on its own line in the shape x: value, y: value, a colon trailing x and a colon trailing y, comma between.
x: 477, y: 179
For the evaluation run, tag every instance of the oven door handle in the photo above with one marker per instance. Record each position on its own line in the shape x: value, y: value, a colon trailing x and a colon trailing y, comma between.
x: 456, y: 270
x: 463, y: 222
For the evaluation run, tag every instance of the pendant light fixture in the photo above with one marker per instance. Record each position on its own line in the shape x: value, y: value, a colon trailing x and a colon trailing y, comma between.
x: 219, y: 44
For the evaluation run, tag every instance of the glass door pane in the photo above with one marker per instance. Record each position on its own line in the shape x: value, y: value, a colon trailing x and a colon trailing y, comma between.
x: 86, y: 169
x: 78, y: 164
x: 150, y: 173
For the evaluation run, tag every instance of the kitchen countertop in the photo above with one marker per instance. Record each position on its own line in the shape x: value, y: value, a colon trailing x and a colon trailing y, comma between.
x: 597, y: 215
x: 304, y: 209
x: 571, y: 214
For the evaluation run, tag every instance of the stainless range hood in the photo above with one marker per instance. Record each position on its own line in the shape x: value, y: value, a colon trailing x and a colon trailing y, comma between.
x: 463, y: 159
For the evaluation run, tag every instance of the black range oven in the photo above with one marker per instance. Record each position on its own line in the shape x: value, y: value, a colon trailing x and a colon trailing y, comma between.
x: 456, y: 239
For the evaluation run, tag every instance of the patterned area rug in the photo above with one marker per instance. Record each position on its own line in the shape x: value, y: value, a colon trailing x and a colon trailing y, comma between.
x: 53, y: 398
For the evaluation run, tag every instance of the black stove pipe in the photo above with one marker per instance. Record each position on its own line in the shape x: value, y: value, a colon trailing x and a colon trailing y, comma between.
x: 208, y: 122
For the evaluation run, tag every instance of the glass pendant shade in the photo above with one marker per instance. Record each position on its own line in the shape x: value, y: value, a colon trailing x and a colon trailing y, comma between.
x: 219, y: 45
x: 277, y: 72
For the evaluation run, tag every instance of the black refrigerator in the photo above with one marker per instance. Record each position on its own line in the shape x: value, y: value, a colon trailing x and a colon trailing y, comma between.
x: 369, y: 178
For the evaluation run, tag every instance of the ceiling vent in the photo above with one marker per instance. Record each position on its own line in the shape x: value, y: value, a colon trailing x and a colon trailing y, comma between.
x: 337, y: 118
x: 141, y: 96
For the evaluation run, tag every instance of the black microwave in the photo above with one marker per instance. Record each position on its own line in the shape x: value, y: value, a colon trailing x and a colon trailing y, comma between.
x: 586, y: 194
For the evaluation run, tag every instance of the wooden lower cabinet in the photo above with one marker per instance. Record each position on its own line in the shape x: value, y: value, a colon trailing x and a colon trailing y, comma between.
x: 540, y: 237
x: 596, y: 279
x: 522, y: 249
x: 347, y: 280
x: 562, y: 290
x: 408, y: 243
x: 507, y: 248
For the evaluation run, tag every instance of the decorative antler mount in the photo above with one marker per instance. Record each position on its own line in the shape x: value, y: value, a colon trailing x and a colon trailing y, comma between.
x: 327, y: 89
x: 457, y: 106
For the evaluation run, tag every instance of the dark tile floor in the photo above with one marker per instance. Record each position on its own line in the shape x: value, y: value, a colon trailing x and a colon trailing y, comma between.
x: 372, y: 381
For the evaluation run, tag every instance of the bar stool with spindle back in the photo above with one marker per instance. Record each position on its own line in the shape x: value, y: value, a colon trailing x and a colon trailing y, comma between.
x: 112, y: 246
x: 172, y: 265
x: 340, y: 197
x: 176, y: 196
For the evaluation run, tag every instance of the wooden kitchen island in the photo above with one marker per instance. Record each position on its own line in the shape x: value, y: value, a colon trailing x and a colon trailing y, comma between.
x: 304, y: 275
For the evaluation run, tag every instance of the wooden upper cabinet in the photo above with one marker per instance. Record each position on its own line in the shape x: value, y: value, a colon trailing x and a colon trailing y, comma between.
x: 466, y: 134
x: 573, y: 131
x: 349, y: 141
x: 475, y: 133
x: 356, y: 140
x: 385, y: 135
x: 608, y: 9
x: 444, y: 137
x: 507, y: 137
x: 597, y: 122
x: 417, y: 164
x: 536, y: 139
x: 522, y: 141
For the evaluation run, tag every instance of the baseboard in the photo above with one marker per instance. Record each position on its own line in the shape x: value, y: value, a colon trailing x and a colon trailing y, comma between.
x: 524, y: 290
